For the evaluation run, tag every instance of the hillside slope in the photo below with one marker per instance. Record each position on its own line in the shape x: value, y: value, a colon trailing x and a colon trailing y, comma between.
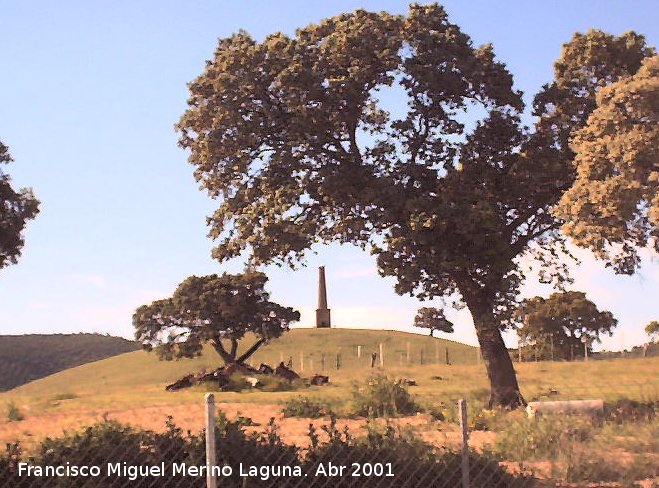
x: 140, y: 369
x: 25, y: 358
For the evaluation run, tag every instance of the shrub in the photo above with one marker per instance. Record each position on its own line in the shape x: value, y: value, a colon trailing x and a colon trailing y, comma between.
x: 412, y: 462
x: 542, y: 438
x: 64, y: 396
x: 437, y: 413
x: 305, y: 407
x: 629, y: 411
x: 9, y: 464
x: 14, y: 414
x: 492, y: 419
x: 383, y: 397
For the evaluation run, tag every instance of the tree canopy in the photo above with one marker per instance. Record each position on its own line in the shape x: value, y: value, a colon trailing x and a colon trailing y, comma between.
x: 615, y: 198
x: 558, y: 326
x: 218, y: 310
x: 652, y: 329
x: 433, y: 319
x: 290, y: 136
x: 16, y: 208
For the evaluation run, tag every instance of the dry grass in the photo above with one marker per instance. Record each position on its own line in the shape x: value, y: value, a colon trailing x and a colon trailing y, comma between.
x: 130, y: 388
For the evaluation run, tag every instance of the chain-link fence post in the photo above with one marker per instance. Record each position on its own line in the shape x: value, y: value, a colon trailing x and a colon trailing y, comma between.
x: 462, y: 405
x: 211, y: 481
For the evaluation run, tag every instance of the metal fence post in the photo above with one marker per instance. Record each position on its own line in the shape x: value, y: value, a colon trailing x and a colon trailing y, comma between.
x: 211, y: 481
x: 462, y: 404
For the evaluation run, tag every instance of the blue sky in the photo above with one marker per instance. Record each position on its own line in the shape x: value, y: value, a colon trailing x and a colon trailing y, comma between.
x: 89, y: 95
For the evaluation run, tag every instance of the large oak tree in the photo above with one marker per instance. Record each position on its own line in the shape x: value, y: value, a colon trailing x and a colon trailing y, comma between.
x: 215, y: 310
x: 289, y: 135
x: 16, y: 208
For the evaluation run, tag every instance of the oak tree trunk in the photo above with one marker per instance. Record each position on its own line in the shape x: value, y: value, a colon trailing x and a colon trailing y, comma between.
x: 504, y: 390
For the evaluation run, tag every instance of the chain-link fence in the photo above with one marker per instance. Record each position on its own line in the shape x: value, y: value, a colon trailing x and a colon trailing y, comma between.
x: 577, y: 437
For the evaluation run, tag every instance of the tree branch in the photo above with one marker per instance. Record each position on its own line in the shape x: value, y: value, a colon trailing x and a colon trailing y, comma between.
x: 250, y: 351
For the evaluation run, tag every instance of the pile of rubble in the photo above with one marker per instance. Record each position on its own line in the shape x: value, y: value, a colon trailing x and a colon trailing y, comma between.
x: 221, y: 376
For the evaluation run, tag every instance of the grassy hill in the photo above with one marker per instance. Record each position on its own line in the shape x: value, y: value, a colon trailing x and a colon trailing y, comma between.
x: 139, y: 378
x: 130, y: 387
x: 141, y: 368
x: 25, y: 358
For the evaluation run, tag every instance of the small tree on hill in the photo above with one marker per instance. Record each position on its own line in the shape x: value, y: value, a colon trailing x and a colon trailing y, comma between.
x: 218, y: 310
x: 558, y: 326
x: 433, y: 319
x: 652, y: 330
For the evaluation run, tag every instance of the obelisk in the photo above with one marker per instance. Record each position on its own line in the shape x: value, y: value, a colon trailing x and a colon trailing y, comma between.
x: 322, y: 312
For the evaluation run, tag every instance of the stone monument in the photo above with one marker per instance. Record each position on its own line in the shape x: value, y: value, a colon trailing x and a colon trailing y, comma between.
x: 323, y: 320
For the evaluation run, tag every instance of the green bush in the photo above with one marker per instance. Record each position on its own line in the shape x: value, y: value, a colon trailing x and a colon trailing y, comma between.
x: 305, y: 407
x: 383, y: 397
x: 400, y: 452
x: 14, y: 414
x: 576, y: 450
x: 412, y: 462
x: 624, y: 410
x: 542, y: 438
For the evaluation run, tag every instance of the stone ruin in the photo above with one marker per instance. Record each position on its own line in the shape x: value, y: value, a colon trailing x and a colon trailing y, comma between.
x: 221, y: 376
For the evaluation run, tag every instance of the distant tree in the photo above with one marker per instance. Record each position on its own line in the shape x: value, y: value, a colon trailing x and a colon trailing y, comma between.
x: 562, y: 322
x: 289, y: 136
x: 218, y: 310
x: 433, y: 319
x: 16, y: 208
x: 613, y: 206
x: 652, y: 330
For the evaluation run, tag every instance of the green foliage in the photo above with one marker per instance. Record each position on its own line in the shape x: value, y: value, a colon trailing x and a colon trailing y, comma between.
x: 25, y: 358
x: 305, y: 407
x: 9, y: 463
x: 630, y: 411
x: 562, y: 321
x: 413, y: 462
x: 447, y: 208
x: 14, y: 413
x: 577, y: 449
x: 613, y: 206
x: 543, y: 438
x: 437, y: 412
x: 381, y: 396
x: 488, y: 419
x: 212, y: 309
x: 16, y: 208
x: 652, y: 329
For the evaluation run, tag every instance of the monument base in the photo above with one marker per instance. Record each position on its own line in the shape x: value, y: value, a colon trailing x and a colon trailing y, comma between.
x: 323, y: 320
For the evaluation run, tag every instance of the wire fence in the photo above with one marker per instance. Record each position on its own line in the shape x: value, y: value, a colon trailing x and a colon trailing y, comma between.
x: 562, y: 439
